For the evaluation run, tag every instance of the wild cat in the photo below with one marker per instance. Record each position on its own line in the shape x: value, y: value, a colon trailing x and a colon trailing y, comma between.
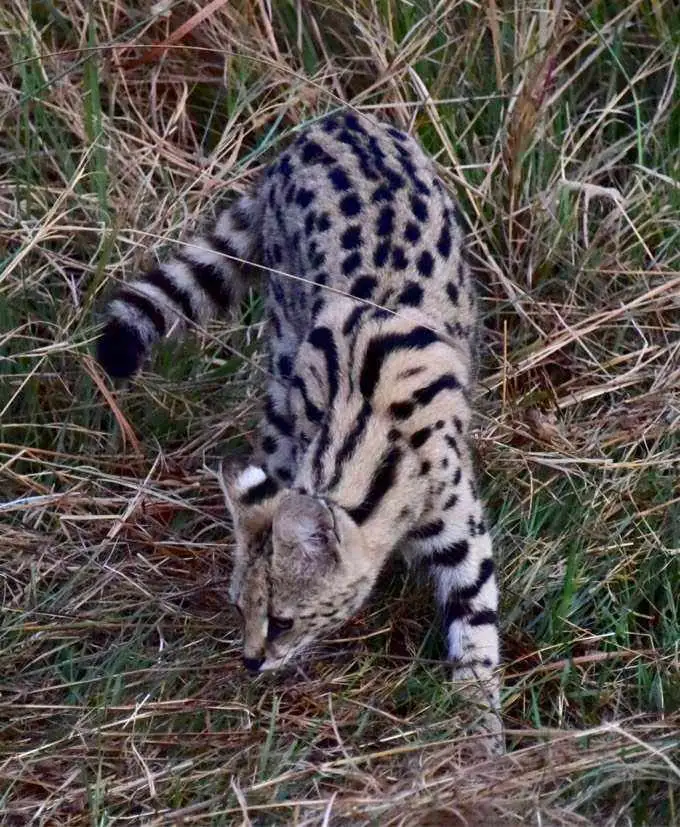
x: 364, y: 449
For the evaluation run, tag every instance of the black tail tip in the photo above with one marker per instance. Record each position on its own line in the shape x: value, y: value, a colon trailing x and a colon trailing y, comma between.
x: 120, y: 350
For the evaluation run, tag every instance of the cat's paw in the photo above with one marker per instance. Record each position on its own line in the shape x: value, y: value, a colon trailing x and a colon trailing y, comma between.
x: 479, y: 691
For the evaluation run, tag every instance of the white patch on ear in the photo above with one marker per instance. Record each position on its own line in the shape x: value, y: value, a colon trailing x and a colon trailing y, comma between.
x: 249, y: 478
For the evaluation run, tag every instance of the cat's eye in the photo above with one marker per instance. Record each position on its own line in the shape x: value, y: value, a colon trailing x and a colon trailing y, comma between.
x: 277, y: 626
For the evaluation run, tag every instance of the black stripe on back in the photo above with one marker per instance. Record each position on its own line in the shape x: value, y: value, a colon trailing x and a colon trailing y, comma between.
x: 262, y: 491
x: 381, y: 347
x: 210, y: 280
x: 146, y: 306
x: 322, y: 339
x: 381, y: 482
x: 452, y: 500
x: 401, y: 410
x: 423, y: 396
x: 353, y: 318
x: 323, y: 440
x: 282, y: 423
x: 176, y: 294
x: 419, y: 438
x: 313, y: 414
x: 349, y: 444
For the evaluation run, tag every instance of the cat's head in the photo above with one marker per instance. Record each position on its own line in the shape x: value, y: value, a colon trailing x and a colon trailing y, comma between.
x: 300, y: 568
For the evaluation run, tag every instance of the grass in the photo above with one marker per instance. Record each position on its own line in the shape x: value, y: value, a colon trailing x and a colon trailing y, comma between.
x: 121, y: 695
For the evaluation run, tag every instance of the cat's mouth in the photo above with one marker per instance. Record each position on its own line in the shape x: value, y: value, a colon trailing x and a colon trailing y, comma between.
x: 278, y: 657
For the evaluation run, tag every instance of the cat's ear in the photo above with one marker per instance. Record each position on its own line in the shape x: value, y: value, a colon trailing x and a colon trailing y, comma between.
x: 251, y: 497
x: 304, y: 532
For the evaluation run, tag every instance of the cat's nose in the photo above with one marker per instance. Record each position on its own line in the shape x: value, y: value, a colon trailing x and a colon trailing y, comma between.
x: 253, y: 664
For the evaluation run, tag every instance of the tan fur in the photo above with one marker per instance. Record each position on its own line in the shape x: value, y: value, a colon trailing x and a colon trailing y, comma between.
x: 365, y: 448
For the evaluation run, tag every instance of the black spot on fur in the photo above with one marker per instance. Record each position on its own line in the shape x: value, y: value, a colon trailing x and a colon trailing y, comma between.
x: 385, y: 222
x: 363, y: 287
x: 339, y: 179
x: 411, y: 232
x: 419, y: 208
x: 399, y: 259
x: 351, y: 238
x: 351, y: 263
x: 383, y: 193
x: 450, y: 502
x: 284, y: 474
x: 425, y: 264
x: 285, y: 166
x: 269, y: 444
x: 313, y: 153
x: 381, y: 253
x: 420, y: 437
x: 352, y: 122
x: 350, y: 205
x: 401, y: 410
x: 304, y: 197
x: 444, y: 242
x: 411, y: 295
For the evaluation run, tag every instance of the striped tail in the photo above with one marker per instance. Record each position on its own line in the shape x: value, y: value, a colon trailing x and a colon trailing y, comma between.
x: 202, y: 281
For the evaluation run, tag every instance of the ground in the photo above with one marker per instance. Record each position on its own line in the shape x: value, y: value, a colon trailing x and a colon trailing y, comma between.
x: 122, y: 698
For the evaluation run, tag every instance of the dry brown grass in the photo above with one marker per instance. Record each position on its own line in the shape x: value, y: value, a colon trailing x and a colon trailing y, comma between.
x: 121, y: 696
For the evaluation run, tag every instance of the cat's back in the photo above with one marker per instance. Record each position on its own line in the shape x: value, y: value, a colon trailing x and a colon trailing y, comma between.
x: 356, y: 205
